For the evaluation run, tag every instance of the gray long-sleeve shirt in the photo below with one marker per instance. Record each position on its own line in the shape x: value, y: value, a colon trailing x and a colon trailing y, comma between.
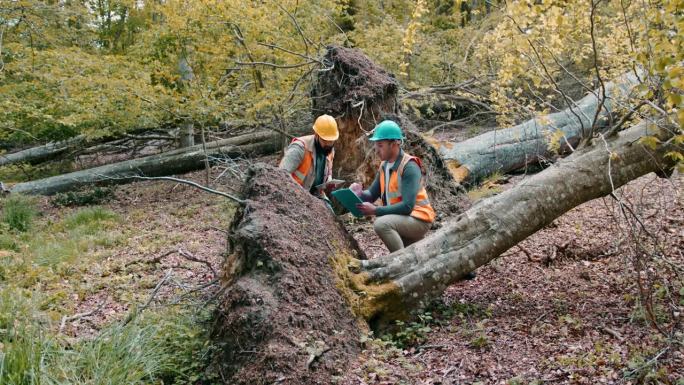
x: 409, y: 186
x: 294, y: 154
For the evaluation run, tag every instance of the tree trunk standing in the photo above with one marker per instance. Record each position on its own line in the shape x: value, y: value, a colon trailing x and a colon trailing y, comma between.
x: 187, y: 134
x: 512, y: 148
x: 187, y: 129
x: 411, y: 277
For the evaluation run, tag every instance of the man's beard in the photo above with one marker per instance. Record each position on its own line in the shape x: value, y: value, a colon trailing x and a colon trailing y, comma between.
x: 326, y: 150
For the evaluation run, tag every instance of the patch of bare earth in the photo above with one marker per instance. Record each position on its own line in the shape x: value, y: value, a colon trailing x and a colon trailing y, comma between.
x: 563, y: 308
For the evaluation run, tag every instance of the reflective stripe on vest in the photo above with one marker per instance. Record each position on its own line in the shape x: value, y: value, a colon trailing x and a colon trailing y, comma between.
x: 422, y: 209
x: 305, y: 174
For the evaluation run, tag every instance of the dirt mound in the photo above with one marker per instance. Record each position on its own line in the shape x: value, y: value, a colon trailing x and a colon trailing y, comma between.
x: 281, y: 318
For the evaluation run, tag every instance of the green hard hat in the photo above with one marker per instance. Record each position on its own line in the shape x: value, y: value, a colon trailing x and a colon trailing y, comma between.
x: 387, y: 130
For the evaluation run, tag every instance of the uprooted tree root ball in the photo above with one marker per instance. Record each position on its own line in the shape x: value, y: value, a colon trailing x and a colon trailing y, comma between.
x: 281, y: 317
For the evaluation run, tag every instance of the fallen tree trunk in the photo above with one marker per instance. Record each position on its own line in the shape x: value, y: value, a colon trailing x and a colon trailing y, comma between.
x: 168, y: 163
x: 42, y: 153
x: 388, y: 287
x: 75, y: 145
x: 509, y: 149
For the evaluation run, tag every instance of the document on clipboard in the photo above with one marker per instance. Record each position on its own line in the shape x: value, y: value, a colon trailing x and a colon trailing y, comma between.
x: 348, y: 199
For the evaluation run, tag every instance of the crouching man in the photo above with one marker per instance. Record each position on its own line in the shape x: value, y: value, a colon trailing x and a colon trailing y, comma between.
x: 405, y: 214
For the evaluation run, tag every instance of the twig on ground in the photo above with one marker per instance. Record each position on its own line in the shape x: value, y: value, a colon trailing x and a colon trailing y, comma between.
x: 187, y: 255
x: 131, y: 316
x: 78, y: 316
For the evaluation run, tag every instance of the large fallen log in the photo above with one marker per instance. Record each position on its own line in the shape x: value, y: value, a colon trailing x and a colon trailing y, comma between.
x: 42, y: 153
x: 168, y: 163
x: 75, y: 145
x: 509, y: 149
x: 388, y: 287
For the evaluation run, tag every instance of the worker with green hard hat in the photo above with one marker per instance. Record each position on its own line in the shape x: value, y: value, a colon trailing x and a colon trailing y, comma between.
x: 403, y: 211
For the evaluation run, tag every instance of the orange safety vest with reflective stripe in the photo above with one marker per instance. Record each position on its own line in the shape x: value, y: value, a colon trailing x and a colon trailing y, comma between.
x: 422, y: 209
x: 305, y: 174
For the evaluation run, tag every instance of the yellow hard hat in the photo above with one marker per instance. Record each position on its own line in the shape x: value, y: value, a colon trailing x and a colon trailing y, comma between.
x: 326, y: 127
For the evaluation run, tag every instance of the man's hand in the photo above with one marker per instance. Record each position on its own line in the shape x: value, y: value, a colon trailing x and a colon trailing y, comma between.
x: 367, y: 209
x: 356, y: 188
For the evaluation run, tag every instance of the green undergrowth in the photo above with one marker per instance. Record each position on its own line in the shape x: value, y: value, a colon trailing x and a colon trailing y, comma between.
x: 168, y: 346
x: 405, y: 334
x: 49, y: 262
x: 23, y: 172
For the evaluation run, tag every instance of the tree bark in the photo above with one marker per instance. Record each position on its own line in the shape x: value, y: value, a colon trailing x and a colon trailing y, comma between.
x: 53, y: 150
x: 509, y: 149
x: 168, y: 163
x: 187, y: 134
x: 411, y: 277
x: 42, y: 153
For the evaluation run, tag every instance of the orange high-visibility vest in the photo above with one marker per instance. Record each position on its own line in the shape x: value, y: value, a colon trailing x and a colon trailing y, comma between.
x: 422, y: 209
x: 305, y: 174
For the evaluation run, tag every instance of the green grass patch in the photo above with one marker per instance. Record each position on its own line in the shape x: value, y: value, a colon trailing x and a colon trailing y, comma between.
x: 43, y: 270
x: 18, y: 212
x: 169, y: 345
x: 73, y: 237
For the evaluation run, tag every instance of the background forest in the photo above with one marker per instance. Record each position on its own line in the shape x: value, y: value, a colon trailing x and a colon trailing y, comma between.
x: 99, y: 70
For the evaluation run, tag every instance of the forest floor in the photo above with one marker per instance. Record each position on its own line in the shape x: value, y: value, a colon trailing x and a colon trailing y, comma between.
x: 564, y: 307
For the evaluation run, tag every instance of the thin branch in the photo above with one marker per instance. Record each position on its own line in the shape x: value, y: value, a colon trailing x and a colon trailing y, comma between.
x: 241, y: 39
x: 191, y: 183
x: 299, y: 28
x: 614, y: 130
x: 286, y: 66
x: 78, y: 316
x: 131, y: 316
x: 346, y: 38
x: 187, y: 255
x: 273, y: 46
x: 598, y: 74
x: 153, y: 260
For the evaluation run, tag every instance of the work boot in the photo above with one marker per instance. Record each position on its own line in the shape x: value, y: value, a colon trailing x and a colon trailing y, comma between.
x: 470, y: 275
